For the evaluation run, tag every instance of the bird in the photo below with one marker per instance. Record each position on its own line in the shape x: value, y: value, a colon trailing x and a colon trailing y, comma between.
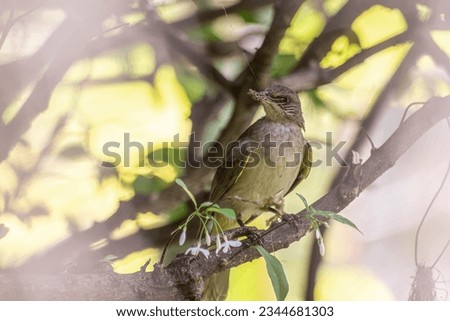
x: 267, y: 161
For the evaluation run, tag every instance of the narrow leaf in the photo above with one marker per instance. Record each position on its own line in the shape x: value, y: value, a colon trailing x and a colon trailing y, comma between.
x: 276, y: 273
x: 227, y: 212
x: 183, y: 186
x: 206, y: 204
x: 326, y: 214
x: 346, y: 221
x: 304, y: 201
x: 337, y: 217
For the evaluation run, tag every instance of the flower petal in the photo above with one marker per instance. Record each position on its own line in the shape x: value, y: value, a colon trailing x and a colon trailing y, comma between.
x: 205, y: 252
x: 226, y: 247
x: 235, y: 243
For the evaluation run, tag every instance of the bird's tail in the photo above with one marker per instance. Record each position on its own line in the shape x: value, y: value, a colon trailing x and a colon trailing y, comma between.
x: 216, y: 288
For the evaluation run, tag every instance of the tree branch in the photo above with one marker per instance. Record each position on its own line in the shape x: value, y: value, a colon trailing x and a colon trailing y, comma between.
x: 183, y: 278
x: 366, y: 125
x: 72, y: 41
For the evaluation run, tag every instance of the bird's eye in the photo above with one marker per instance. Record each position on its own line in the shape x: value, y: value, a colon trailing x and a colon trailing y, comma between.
x: 280, y: 99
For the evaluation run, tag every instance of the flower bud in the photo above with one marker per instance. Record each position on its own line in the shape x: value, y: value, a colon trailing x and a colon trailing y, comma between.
x: 318, y: 234
x: 218, y: 243
x: 209, y: 226
x: 321, y: 247
x: 208, y: 238
x: 182, y: 236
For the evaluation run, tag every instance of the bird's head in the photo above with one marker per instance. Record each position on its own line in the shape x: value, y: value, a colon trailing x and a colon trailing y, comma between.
x: 280, y: 103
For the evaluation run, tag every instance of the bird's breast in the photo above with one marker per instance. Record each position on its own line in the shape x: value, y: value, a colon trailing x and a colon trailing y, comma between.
x: 271, y: 167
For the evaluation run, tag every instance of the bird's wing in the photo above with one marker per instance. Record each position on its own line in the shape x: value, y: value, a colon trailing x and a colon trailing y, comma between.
x: 236, y: 158
x: 305, y: 167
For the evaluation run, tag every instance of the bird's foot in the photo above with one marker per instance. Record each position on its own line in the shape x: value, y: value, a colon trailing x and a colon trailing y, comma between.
x: 254, y: 238
x: 289, y: 219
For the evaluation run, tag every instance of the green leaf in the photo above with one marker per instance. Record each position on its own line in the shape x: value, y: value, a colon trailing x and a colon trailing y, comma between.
x: 227, y: 212
x: 276, y: 274
x: 205, y: 204
x: 337, y: 217
x: 346, y: 221
x: 183, y: 186
x: 248, y: 16
x: 194, y: 87
x: 146, y: 185
x: 326, y: 214
x: 282, y: 65
x: 304, y: 201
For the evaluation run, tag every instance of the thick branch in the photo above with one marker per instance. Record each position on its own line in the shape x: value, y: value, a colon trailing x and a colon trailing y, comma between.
x: 183, y: 278
x: 73, y: 40
x: 313, y: 76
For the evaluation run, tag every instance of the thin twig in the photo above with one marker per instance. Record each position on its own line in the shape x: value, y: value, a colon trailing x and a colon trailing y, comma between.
x: 12, y: 20
x: 408, y: 108
x: 441, y: 254
x: 416, y: 242
x: 8, y: 25
x: 242, y: 51
x: 367, y: 124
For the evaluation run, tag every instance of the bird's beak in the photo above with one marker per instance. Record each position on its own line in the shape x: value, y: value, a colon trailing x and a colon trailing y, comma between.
x: 257, y: 95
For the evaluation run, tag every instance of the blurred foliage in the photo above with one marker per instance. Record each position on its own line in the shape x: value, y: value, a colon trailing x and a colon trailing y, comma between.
x: 53, y: 184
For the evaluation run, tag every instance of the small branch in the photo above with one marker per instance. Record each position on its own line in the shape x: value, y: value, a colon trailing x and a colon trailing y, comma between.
x: 8, y: 25
x: 378, y: 106
x: 425, y: 215
x: 441, y: 254
x: 74, y: 40
x: 256, y: 75
x: 335, y: 27
x: 202, y: 114
x: 438, y: 55
x: 366, y: 125
x: 180, y: 44
x: 313, y: 76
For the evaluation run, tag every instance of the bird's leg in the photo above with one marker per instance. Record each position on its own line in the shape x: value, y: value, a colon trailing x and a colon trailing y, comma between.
x: 275, y: 205
x: 252, y: 234
x: 277, y: 215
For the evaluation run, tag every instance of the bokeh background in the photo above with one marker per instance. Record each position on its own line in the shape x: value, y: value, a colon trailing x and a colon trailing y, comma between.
x: 75, y: 75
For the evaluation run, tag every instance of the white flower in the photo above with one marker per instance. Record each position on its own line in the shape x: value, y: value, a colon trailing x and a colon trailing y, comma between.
x: 227, y: 244
x: 208, y: 238
x: 197, y: 249
x: 319, y: 239
x: 182, y: 237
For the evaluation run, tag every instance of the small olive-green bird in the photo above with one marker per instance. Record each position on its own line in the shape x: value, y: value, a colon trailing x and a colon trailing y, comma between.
x: 266, y: 162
